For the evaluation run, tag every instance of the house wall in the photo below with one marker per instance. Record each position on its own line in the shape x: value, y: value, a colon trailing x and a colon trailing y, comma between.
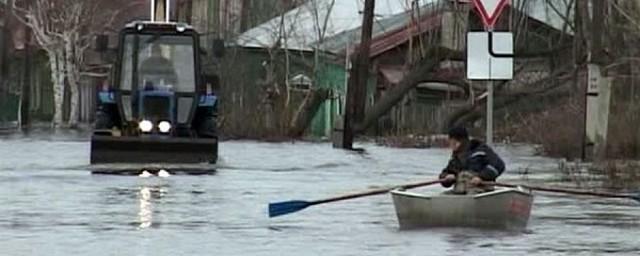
x: 228, y: 18
x: 244, y: 98
x: 6, y: 103
x: 41, y: 89
x: 420, y: 112
x: 331, y: 76
x: 424, y: 112
x: 41, y: 97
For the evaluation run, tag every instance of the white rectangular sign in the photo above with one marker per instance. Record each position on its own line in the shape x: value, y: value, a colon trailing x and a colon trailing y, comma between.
x: 481, y: 64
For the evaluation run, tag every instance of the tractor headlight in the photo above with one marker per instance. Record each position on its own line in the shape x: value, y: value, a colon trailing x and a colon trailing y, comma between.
x: 181, y: 28
x: 164, y: 127
x: 145, y: 126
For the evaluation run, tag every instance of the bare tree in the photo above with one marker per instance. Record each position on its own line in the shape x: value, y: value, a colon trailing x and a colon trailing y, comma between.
x: 64, y: 29
x: 320, y: 12
x: 288, y: 41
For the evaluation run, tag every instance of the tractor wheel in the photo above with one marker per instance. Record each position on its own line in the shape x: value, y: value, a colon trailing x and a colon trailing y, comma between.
x: 208, y: 128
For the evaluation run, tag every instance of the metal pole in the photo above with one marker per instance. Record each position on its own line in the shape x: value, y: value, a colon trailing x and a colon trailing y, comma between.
x: 490, y: 112
x: 167, y: 9
x: 152, y: 15
x: 583, y: 154
x: 155, y: 10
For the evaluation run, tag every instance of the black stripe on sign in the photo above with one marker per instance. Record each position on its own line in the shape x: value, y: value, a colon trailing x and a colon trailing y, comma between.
x: 594, y: 94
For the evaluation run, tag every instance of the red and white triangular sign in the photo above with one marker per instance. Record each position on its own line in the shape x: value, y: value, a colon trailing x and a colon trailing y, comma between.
x: 490, y: 10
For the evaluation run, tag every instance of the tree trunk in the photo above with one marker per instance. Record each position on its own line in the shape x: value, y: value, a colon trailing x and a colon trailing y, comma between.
x: 57, y: 77
x: 307, y: 110
x: 410, y: 81
x: 72, y: 76
x: 74, y: 113
x: 244, y: 15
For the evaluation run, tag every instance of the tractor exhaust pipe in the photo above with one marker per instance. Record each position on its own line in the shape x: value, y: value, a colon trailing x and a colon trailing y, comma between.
x: 160, y: 10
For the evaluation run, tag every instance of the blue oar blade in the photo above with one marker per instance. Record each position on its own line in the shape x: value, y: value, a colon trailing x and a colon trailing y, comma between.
x: 282, y: 208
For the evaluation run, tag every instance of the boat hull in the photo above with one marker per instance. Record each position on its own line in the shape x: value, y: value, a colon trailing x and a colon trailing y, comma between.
x: 501, y: 209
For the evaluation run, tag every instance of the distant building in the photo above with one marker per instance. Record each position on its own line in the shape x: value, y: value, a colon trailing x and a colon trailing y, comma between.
x: 401, y: 35
x: 300, y: 33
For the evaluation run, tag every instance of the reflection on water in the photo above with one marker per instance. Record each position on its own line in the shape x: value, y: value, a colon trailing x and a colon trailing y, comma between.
x: 147, y: 197
x: 145, y: 214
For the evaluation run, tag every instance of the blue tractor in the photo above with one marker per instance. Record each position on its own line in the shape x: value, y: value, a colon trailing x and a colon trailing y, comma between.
x: 159, y: 109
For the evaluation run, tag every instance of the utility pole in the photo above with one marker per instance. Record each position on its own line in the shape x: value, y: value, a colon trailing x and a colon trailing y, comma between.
x: 362, y: 63
x: 598, y: 89
x: 357, y: 87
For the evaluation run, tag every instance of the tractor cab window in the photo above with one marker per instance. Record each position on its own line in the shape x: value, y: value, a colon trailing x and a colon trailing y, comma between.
x: 166, y: 63
x: 127, y: 64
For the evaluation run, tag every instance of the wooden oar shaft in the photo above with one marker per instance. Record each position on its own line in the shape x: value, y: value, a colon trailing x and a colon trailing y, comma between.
x: 375, y: 192
x: 560, y: 190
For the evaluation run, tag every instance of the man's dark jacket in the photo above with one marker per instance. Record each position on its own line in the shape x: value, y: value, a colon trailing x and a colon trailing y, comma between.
x: 476, y: 157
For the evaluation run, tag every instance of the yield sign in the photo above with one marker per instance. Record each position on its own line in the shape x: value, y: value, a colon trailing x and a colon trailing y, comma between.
x: 490, y: 10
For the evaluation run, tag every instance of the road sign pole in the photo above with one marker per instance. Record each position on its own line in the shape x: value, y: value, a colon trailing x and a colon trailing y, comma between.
x: 489, y: 119
x: 490, y: 88
x: 489, y: 11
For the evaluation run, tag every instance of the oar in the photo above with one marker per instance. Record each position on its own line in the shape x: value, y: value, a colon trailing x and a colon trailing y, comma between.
x: 286, y: 207
x: 568, y: 191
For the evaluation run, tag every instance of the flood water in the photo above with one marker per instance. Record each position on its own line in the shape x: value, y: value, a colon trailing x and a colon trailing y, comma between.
x: 51, y: 205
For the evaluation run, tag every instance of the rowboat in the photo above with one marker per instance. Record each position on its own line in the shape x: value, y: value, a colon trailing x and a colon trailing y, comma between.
x: 505, y: 208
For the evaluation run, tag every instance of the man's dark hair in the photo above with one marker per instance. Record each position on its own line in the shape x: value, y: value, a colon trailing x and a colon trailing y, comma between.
x: 458, y: 133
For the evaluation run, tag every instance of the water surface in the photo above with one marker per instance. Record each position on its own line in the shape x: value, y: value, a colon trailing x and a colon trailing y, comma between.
x: 51, y: 205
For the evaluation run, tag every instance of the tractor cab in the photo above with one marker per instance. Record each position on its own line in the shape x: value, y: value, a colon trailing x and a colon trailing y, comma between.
x: 157, y: 81
x: 159, y: 108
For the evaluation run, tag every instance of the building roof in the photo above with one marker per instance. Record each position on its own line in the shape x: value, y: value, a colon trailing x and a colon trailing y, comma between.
x: 343, y: 28
x: 301, y: 24
x: 390, y: 32
x: 394, y: 23
x: 398, y: 36
x: 549, y: 12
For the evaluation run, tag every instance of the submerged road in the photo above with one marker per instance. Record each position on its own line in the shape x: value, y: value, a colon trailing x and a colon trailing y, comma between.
x: 51, y: 205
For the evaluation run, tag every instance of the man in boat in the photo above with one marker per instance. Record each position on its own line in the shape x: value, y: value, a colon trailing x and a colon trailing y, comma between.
x: 472, y: 162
